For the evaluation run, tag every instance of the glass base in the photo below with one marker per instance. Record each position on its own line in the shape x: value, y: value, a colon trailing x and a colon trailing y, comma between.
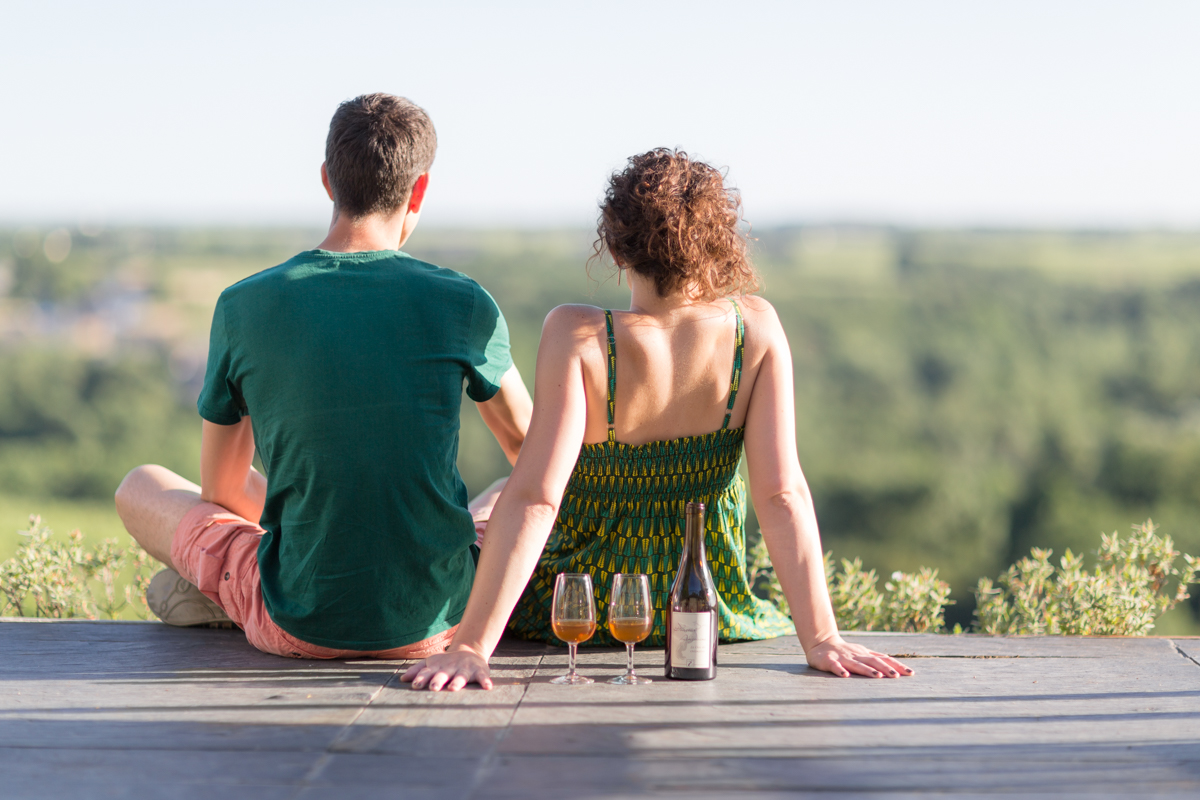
x: 629, y: 680
x: 571, y: 680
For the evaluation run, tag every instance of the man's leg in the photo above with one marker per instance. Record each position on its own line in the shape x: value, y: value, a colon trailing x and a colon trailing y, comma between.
x: 152, y: 501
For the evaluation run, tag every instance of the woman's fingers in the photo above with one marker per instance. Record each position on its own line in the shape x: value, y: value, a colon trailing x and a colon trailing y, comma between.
x: 883, y: 663
x: 880, y: 664
x: 439, y: 679
x: 867, y: 666
x: 844, y: 659
x: 421, y: 675
x: 900, y: 667
x: 832, y: 662
x: 439, y: 672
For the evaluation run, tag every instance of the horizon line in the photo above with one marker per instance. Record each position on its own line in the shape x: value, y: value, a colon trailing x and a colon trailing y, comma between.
x: 88, y: 228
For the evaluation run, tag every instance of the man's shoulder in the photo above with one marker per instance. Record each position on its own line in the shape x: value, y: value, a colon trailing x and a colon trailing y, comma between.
x: 453, y: 283
x: 435, y: 272
x: 265, y: 279
x: 436, y: 286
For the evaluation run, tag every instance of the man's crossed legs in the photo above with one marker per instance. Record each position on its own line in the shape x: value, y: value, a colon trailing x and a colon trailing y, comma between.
x: 217, y: 551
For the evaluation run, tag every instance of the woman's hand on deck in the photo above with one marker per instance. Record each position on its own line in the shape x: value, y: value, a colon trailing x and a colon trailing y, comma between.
x: 843, y: 659
x: 451, y: 671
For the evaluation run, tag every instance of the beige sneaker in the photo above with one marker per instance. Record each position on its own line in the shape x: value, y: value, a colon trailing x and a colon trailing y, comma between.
x: 176, y: 601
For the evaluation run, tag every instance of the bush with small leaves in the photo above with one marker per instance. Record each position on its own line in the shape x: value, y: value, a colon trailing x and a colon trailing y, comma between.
x: 915, y: 602
x: 1134, y: 583
x: 51, y: 578
x: 857, y: 603
x: 761, y: 575
x: 908, y: 602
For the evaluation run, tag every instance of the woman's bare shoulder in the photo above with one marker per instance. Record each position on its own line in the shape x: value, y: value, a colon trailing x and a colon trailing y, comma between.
x: 761, y: 316
x: 573, y: 323
x: 573, y: 315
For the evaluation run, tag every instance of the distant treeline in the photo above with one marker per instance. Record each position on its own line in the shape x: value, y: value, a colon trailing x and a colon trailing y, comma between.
x: 961, y: 395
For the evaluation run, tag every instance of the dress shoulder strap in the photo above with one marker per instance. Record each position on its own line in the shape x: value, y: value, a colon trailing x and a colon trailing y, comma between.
x: 612, y: 374
x: 739, y: 341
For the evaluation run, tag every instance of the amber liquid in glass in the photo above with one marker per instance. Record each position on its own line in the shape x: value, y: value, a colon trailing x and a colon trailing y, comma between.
x: 631, y: 630
x: 573, y: 631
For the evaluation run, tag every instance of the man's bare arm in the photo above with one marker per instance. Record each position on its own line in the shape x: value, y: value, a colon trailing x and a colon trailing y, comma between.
x: 227, y: 475
x: 507, y: 414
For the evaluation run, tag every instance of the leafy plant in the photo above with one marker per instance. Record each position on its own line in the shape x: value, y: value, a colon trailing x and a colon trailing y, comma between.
x: 915, y: 602
x: 1136, y: 580
x: 1134, y: 583
x: 908, y: 602
x: 51, y: 578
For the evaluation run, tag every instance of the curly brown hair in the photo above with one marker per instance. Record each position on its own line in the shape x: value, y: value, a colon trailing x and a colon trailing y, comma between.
x: 671, y: 219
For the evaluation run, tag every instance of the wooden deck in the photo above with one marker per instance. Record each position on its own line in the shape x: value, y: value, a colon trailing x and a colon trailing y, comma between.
x: 141, y: 710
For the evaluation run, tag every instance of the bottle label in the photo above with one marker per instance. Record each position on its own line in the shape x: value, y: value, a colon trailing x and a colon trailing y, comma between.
x: 691, y: 639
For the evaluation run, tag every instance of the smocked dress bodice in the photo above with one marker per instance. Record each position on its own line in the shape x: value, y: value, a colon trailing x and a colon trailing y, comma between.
x: 623, y: 512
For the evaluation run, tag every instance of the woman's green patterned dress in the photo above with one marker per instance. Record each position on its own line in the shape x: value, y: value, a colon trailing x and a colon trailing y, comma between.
x: 623, y: 511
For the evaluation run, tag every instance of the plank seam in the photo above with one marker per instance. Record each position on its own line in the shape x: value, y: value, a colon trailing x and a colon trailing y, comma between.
x: 1181, y: 652
x: 490, y: 757
x: 343, y: 734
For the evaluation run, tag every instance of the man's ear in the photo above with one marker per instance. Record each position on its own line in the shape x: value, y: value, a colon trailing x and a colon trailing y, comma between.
x: 418, y: 192
x: 325, y: 181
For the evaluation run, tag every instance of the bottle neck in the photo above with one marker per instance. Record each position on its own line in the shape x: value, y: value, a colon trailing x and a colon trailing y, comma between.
x: 693, y: 541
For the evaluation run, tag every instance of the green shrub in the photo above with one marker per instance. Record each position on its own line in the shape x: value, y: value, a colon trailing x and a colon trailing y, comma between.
x: 1133, y: 584
x: 51, y: 578
x: 908, y: 602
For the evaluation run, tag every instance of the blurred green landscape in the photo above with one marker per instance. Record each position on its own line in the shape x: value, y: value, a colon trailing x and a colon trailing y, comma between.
x: 961, y: 395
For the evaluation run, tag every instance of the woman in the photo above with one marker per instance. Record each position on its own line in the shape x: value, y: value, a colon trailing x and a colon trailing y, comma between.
x: 638, y: 412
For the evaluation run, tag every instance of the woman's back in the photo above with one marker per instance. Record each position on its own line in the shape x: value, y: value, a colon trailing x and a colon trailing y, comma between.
x: 674, y: 365
x: 622, y: 510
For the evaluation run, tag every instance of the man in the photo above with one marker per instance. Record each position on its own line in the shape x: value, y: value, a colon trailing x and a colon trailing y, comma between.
x: 344, y: 367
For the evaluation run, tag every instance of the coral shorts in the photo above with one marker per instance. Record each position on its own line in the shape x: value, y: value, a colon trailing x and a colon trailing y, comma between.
x: 217, y: 551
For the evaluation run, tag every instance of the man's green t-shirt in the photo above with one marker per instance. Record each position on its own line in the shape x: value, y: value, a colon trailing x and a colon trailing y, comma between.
x: 351, y: 367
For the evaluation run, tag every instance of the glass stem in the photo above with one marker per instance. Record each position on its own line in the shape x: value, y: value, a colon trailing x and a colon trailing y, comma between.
x: 571, y: 648
x: 629, y: 663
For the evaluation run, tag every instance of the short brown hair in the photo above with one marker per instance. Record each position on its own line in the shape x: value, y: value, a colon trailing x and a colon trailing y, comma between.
x: 670, y: 218
x: 378, y: 145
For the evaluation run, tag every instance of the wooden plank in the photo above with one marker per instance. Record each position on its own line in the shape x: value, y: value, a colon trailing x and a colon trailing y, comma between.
x: 87, y: 704
x: 105, y: 767
x: 952, y: 773
x: 950, y: 701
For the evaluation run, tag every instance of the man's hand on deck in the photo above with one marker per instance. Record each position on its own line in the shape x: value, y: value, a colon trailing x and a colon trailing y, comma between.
x: 843, y: 659
x: 451, y: 671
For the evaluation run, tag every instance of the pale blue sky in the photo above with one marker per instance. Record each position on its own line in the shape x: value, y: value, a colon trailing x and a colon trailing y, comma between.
x: 1013, y: 113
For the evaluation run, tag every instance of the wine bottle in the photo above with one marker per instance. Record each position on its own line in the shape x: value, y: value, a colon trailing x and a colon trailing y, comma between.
x: 692, y: 610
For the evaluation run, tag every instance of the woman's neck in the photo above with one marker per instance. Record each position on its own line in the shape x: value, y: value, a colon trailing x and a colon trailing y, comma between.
x: 645, y: 299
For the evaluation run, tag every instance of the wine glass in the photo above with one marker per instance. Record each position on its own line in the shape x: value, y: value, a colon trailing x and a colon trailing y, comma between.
x: 573, y: 618
x: 630, y: 618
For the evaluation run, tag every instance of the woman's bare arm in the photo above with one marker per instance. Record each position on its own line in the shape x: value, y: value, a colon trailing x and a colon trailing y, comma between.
x: 524, y: 514
x: 785, y: 512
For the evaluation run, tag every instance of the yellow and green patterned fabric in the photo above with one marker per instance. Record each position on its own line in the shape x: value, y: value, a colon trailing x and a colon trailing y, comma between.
x: 623, y: 511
